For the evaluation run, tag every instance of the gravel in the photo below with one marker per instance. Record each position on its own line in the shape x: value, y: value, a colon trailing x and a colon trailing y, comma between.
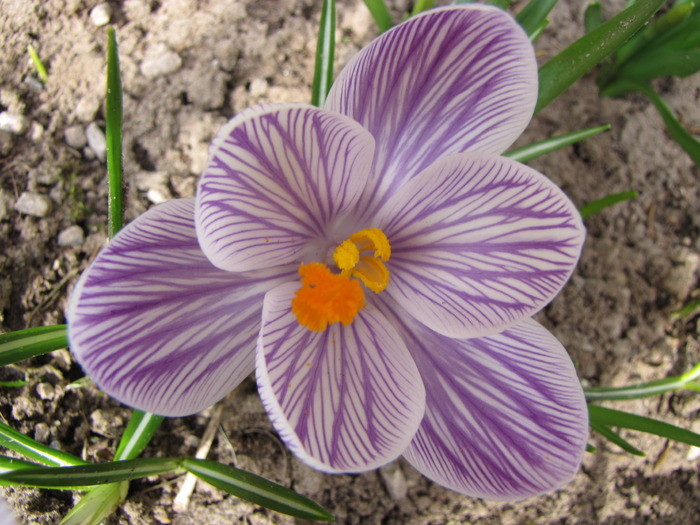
x: 101, y: 14
x: 13, y: 123
x: 96, y: 140
x: 33, y: 204
x: 75, y: 137
x: 71, y: 236
x: 160, y: 62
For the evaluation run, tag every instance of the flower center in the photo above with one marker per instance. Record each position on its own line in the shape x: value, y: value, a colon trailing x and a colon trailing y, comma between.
x: 326, y: 297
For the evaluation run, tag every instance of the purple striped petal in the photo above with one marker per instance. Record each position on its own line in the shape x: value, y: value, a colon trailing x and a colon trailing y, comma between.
x: 505, y: 415
x: 157, y: 326
x: 478, y: 243
x: 446, y: 81
x: 277, y: 180
x: 347, y: 399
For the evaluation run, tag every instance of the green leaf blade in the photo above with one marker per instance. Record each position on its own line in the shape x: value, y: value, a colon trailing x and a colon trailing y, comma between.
x: 90, y: 474
x: 616, y: 418
x: 137, y: 435
x: 605, y: 202
x: 537, y: 149
x: 534, y: 14
x: 325, y: 54
x: 26, y: 446
x: 114, y: 135
x: 256, y: 489
x: 23, y: 344
x: 580, y: 57
x: 380, y: 13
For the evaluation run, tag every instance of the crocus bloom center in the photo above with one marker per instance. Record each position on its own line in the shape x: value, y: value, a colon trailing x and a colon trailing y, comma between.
x: 326, y: 297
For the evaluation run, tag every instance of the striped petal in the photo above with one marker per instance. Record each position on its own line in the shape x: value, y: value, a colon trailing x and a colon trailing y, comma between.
x: 157, y: 326
x: 479, y: 242
x: 449, y: 80
x: 277, y: 180
x: 505, y: 415
x: 347, y: 399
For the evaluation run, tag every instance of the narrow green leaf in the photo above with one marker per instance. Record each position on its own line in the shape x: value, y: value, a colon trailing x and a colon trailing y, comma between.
x: 114, y: 135
x: 687, y: 311
x: 97, y: 504
x: 577, y: 59
x: 32, y: 342
x: 532, y: 151
x: 380, y: 13
x: 325, y: 54
x: 600, y: 204
x: 539, y: 30
x: 26, y: 446
x: 137, y: 434
x: 642, y: 390
x: 8, y: 464
x: 675, y: 128
x: 91, y: 474
x: 590, y: 448
x: 502, y: 4
x: 422, y: 5
x: 13, y: 384
x: 616, y: 418
x: 661, y: 63
x: 38, y: 64
x: 534, y: 14
x: 617, y: 439
x: 593, y: 16
x: 256, y: 489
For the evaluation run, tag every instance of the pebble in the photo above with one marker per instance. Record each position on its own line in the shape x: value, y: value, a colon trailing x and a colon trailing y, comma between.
x: 75, y: 137
x: 45, y: 390
x: 42, y: 433
x: 7, y: 142
x: 160, y: 62
x: 96, y: 140
x: 13, y: 123
x: 33, y: 204
x: 101, y: 14
x: 155, y: 184
x: 71, y: 236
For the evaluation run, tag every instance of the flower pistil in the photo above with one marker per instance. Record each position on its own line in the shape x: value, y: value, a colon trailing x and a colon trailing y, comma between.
x: 327, y: 297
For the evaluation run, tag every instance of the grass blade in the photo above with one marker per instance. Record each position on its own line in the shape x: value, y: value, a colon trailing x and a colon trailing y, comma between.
x: 571, y: 64
x: 26, y: 446
x: 532, y: 151
x: 380, y: 13
x: 114, y: 135
x: 138, y: 433
x: 642, y: 390
x: 8, y: 464
x: 32, y: 342
x: 256, y: 489
x: 616, y: 438
x: 616, y: 418
x: 325, y: 54
x: 422, y: 5
x: 96, y: 505
x: 534, y: 13
x: 600, y: 204
x: 38, y: 64
x: 90, y: 474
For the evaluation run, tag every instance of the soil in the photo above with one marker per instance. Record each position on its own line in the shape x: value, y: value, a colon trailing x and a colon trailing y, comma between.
x: 217, y: 57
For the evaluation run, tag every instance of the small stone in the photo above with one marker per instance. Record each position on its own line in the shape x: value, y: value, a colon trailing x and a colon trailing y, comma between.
x: 42, y: 433
x: 7, y: 142
x: 160, y: 62
x: 87, y: 107
x: 45, y: 390
x: 96, y: 140
x: 394, y: 481
x: 33, y: 204
x: 106, y: 423
x: 101, y: 14
x: 71, y: 236
x: 5, y: 205
x: 75, y: 137
x: 13, y: 123
x: 36, y: 132
x: 258, y: 87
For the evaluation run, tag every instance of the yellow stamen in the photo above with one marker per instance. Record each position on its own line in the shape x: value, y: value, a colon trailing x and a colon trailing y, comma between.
x: 326, y: 297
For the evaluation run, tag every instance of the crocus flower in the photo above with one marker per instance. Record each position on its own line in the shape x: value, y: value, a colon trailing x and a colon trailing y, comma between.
x: 375, y: 262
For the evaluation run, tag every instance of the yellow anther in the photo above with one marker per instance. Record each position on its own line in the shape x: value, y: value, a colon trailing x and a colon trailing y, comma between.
x: 326, y: 297
x: 373, y: 273
x: 346, y: 256
x: 372, y: 239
